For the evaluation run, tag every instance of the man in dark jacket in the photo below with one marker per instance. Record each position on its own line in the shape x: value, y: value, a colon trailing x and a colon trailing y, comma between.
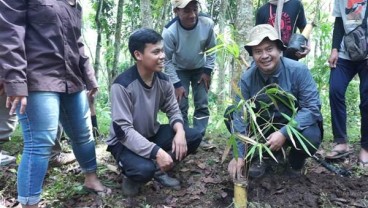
x: 292, y: 77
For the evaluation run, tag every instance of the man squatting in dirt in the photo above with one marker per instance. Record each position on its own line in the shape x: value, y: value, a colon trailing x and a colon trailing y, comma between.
x: 293, y: 77
x: 143, y: 148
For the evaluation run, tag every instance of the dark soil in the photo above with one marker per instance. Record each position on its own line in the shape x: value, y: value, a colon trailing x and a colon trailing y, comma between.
x: 205, y: 183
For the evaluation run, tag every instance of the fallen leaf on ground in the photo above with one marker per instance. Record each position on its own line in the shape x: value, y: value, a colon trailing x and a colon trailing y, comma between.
x: 201, y: 166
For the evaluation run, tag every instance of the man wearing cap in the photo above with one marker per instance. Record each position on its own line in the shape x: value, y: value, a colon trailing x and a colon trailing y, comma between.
x: 186, y: 38
x: 292, y: 77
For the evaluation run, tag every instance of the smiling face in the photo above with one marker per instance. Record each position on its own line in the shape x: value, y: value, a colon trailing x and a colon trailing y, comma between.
x: 267, y: 56
x: 153, y: 57
x: 188, y: 15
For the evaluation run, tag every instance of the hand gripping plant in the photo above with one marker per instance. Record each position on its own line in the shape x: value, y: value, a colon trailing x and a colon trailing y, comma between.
x: 262, y: 113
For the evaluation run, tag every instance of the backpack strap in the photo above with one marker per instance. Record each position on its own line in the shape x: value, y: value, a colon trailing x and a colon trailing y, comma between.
x: 364, y: 23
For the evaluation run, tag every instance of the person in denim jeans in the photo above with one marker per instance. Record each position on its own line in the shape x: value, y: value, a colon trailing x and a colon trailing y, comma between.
x: 186, y: 38
x: 46, y: 73
x: 343, y: 70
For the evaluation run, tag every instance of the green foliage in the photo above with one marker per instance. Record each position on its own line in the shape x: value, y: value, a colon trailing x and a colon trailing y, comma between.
x: 257, y: 118
x: 226, y: 45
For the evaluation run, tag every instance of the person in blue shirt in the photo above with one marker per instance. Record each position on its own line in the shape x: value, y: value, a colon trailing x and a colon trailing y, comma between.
x: 291, y: 76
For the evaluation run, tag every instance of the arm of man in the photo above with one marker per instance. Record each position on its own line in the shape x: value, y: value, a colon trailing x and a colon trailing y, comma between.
x: 170, y: 68
x: 308, y: 98
x: 122, y: 121
x: 210, y: 59
x: 337, y: 36
x: 87, y: 68
x: 13, y: 20
x: 171, y: 108
x: 301, y: 22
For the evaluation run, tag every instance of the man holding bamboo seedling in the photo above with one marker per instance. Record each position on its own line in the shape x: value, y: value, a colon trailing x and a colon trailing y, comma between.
x: 278, y: 106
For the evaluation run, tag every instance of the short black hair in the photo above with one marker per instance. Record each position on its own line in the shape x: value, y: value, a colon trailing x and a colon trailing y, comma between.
x: 140, y: 37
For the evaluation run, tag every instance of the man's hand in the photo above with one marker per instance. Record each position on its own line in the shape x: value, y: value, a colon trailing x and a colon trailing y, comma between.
x: 179, y: 144
x: 164, y: 160
x: 275, y: 141
x: 13, y: 101
x: 180, y: 93
x: 206, y: 79
x: 333, y: 58
x: 304, y: 53
x: 235, y: 168
x: 91, y: 95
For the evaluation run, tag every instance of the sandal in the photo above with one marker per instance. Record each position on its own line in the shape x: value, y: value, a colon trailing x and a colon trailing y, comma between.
x: 105, y: 192
x: 337, y: 154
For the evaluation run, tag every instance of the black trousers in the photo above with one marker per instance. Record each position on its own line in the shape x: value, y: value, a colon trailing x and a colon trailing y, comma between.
x: 140, y: 169
x: 297, y: 156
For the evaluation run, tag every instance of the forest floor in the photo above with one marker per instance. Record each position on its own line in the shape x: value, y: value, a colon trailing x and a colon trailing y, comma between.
x: 205, y: 183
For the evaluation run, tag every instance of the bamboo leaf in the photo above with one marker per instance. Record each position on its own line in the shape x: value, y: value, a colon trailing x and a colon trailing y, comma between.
x: 274, y: 102
x: 290, y: 136
x: 301, y: 142
x: 260, y: 152
x: 270, y: 153
x: 251, y: 152
x: 302, y: 137
x: 246, y: 139
x: 252, y: 115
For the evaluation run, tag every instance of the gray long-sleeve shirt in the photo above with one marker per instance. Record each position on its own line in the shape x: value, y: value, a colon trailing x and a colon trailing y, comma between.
x: 184, y: 48
x: 293, y: 77
x: 134, y: 108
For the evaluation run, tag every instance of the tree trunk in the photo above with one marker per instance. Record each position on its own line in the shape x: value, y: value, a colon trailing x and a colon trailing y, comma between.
x: 244, y: 21
x: 222, y: 64
x: 146, y: 14
x: 164, y: 16
x: 99, y: 37
x: 117, y: 43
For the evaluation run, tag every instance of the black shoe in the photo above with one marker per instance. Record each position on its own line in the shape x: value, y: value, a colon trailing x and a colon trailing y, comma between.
x: 294, y: 173
x: 257, y: 169
x: 130, y: 187
x: 206, y: 145
x: 164, y: 179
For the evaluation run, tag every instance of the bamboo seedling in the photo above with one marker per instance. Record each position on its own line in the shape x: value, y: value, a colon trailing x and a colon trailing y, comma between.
x: 253, y: 111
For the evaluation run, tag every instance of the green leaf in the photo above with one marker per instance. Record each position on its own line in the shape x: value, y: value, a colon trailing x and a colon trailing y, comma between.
x: 251, y: 151
x: 270, y: 153
x: 260, y: 152
x: 301, y: 141
x: 290, y: 134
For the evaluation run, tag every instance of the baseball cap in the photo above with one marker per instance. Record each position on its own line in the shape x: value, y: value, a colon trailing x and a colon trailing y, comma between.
x: 258, y: 33
x: 181, y: 3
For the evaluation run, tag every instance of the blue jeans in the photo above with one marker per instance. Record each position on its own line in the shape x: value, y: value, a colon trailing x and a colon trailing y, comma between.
x: 200, y: 97
x: 340, y: 78
x: 39, y: 126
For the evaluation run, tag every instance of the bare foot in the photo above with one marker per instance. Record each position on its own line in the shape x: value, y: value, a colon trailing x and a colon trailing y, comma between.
x: 363, y: 155
x: 93, y: 183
